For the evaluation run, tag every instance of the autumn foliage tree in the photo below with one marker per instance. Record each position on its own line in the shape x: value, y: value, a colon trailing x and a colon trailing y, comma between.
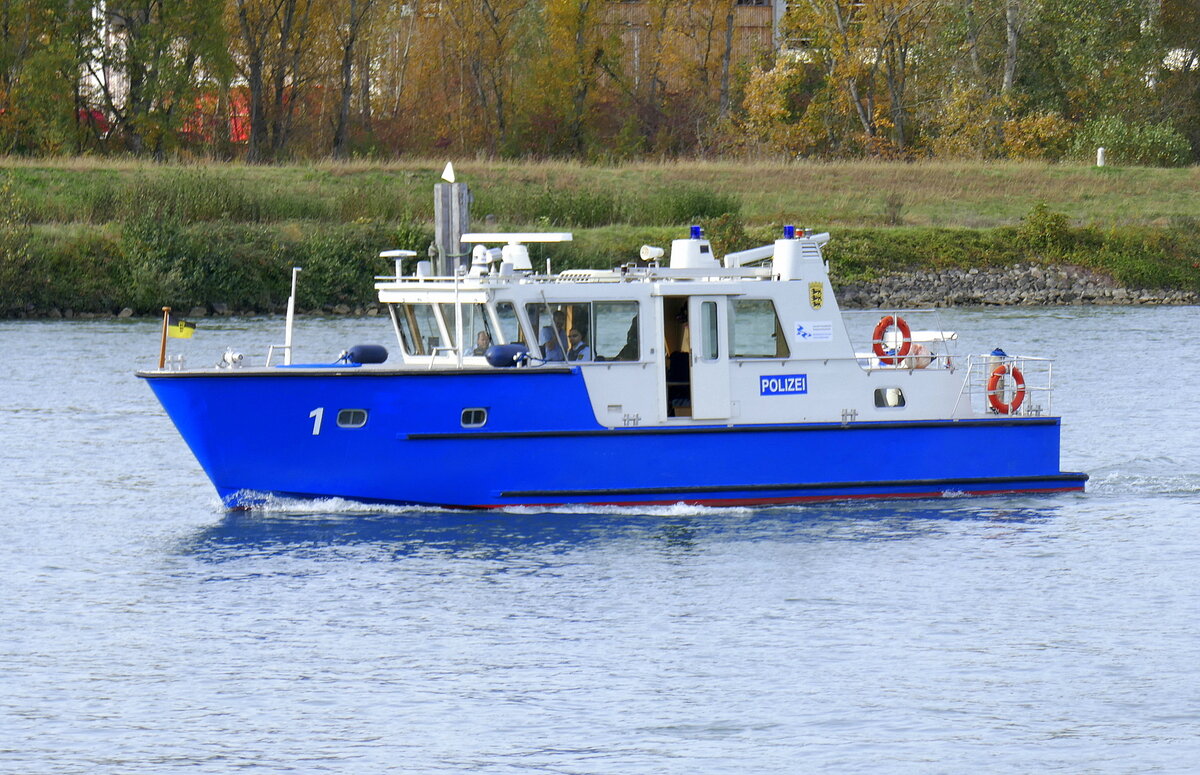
x: 272, y: 80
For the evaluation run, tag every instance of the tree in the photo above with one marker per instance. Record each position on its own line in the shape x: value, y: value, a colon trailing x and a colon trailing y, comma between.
x: 42, y: 48
x: 484, y: 38
x: 356, y: 12
x: 153, y: 58
x: 568, y: 72
x: 866, y: 54
x: 274, y: 40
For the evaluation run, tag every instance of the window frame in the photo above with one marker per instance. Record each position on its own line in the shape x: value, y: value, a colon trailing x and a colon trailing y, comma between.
x: 482, y: 412
x: 778, y: 336
x: 366, y: 415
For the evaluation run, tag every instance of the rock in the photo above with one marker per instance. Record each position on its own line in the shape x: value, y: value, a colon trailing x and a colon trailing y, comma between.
x: 198, y: 312
x: 125, y: 313
x: 220, y: 309
x: 341, y: 309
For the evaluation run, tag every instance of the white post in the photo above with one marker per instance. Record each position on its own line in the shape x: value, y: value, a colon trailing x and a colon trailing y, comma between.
x: 291, y: 317
x: 458, y: 321
x: 1100, y: 156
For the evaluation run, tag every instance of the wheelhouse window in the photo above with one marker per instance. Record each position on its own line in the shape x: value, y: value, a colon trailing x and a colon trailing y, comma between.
x: 352, y: 418
x: 616, y: 327
x: 588, y: 331
x: 419, y: 330
x: 510, y: 324
x: 478, y: 333
x: 552, y: 324
x: 754, y: 330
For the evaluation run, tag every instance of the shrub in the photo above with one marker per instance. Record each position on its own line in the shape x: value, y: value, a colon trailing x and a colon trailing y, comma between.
x: 1125, y: 142
x: 1044, y: 231
x: 893, y: 209
x: 15, y: 254
x: 967, y: 126
x: 1041, y: 137
x: 727, y: 233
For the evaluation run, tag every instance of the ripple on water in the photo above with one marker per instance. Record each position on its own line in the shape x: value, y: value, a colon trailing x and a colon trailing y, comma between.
x: 147, y: 630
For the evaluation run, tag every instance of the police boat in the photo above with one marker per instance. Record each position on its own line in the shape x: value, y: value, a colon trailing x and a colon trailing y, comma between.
x: 668, y: 379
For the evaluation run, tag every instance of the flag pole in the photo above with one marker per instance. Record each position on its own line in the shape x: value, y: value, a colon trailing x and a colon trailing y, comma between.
x: 162, y: 349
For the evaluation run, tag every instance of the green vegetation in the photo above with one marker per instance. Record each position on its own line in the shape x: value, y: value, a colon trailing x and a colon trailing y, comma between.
x: 95, y: 237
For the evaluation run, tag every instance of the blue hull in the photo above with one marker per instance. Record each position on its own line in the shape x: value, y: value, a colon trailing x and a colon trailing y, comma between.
x: 254, y: 436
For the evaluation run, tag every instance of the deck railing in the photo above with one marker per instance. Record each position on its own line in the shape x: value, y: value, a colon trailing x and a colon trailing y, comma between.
x: 1014, y: 386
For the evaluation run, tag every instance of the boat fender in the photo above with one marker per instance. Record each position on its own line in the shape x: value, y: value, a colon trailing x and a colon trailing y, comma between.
x: 506, y: 355
x: 888, y: 356
x: 366, y: 353
x: 993, y: 389
x: 921, y: 357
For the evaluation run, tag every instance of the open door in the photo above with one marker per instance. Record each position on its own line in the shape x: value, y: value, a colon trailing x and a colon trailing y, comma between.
x: 708, y: 317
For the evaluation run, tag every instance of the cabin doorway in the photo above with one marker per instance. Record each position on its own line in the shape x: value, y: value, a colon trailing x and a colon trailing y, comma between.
x: 696, y: 346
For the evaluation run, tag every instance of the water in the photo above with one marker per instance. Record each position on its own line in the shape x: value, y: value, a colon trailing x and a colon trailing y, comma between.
x: 143, y: 630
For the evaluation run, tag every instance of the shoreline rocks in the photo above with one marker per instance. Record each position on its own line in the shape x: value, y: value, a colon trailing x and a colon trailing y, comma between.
x: 1024, y: 285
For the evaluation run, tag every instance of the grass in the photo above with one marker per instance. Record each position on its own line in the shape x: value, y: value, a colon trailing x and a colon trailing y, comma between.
x: 822, y: 195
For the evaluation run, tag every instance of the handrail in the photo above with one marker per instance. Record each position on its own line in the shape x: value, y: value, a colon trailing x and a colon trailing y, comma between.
x: 1037, y: 374
x: 271, y: 351
x: 433, y: 353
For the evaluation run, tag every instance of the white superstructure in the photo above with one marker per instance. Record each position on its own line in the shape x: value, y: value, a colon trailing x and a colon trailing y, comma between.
x: 696, y: 341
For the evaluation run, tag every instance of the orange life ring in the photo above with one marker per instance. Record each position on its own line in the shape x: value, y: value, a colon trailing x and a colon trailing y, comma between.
x: 905, y: 339
x: 993, y: 392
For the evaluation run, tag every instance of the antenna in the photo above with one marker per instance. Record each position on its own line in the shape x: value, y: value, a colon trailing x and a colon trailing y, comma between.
x: 399, y: 255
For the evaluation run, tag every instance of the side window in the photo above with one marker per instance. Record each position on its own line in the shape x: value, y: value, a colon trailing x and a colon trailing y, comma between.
x: 708, y: 317
x: 754, y: 329
x: 616, y: 331
x: 563, y: 331
x: 419, y: 332
x: 510, y: 324
x: 473, y: 418
x: 889, y: 397
x: 352, y: 418
x: 477, y: 327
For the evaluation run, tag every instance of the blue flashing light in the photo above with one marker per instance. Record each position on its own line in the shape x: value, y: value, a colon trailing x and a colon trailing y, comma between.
x: 697, y: 232
x: 789, y: 232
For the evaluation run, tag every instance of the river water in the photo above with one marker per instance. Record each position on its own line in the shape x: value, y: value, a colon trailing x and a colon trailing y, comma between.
x: 144, y: 630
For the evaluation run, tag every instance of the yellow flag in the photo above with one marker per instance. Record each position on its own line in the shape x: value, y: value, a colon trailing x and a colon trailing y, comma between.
x: 178, y: 328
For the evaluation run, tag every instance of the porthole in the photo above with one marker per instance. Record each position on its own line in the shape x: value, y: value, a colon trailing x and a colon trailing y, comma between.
x: 352, y: 418
x: 474, y: 418
x: 889, y: 398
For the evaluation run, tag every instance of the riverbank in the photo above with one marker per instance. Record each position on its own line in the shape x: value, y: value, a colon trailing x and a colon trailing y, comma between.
x: 103, y: 238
